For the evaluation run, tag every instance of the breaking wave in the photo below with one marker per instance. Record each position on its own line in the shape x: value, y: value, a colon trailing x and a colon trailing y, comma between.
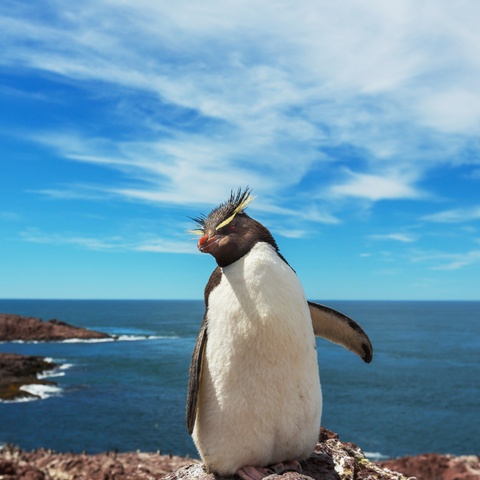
x: 41, y: 392
x: 119, y: 338
x: 375, y: 456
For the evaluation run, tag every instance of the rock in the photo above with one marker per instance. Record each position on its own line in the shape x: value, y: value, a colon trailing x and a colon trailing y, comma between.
x: 70, y: 466
x: 13, y: 471
x: 16, y: 327
x: 433, y: 466
x: 18, y: 370
x: 332, y: 460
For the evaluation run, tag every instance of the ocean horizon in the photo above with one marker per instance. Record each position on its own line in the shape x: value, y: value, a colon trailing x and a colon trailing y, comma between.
x: 420, y: 393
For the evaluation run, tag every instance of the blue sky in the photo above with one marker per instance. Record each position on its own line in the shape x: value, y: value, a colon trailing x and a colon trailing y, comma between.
x: 356, y: 124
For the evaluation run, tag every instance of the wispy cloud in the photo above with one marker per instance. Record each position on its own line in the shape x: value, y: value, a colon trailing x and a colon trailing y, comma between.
x: 164, y: 246
x: 291, y: 233
x: 401, y: 237
x: 10, y: 216
x: 263, y: 103
x: 461, y: 260
x: 376, y: 187
x: 454, y: 261
x: 454, y: 216
x: 115, y: 243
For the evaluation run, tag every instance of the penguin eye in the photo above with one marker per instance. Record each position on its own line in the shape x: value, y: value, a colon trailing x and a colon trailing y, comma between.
x: 232, y: 228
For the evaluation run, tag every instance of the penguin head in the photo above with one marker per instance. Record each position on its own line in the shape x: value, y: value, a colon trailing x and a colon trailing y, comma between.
x: 228, y: 233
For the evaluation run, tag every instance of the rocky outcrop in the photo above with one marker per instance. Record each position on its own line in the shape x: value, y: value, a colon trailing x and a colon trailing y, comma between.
x: 14, y: 471
x: 15, y: 327
x: 41, y: 464
x: 19, y: 370
x: 433, y: 466
x: 332, y: 460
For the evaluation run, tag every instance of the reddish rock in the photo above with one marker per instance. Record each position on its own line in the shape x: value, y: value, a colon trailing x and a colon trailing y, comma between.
x: 16, y: 327
x: 433, y: 466
x: 69, y: 466
x: 18, y: 370
x: 13, y: 471
x: 332, y: 460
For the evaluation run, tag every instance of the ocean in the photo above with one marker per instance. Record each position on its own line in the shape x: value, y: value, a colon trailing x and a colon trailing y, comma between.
x: 421, y: 393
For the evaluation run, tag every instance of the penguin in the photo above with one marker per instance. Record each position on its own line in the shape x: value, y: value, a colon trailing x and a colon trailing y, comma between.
x: 254, y: 398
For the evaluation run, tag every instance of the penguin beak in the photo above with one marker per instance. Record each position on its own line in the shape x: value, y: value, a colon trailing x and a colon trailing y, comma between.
x: 208, y: 245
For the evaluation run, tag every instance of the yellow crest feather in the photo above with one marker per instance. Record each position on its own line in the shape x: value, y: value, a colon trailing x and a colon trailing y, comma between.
x: 196, y: 232
x: 245, y: 201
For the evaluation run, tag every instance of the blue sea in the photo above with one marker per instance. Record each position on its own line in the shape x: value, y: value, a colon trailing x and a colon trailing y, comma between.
x: 421, y: 393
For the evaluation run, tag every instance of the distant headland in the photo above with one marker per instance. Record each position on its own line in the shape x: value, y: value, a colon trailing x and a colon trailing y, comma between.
x: 17, y: 328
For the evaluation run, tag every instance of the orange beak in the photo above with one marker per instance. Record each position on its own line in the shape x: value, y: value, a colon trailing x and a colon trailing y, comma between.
x: 208, y: 245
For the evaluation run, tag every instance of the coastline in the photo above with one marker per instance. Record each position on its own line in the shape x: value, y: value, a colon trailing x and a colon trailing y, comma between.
x: 23, y: 377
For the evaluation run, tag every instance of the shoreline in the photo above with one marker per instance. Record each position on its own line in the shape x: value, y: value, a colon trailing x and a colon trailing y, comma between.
x: 21, y: 377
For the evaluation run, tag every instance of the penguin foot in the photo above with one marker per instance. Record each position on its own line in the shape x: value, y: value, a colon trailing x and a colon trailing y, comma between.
x: 253, y: 473
x: 258, y: 473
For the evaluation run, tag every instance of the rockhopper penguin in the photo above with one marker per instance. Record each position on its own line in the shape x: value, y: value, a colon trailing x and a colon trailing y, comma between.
x: 254, y: 399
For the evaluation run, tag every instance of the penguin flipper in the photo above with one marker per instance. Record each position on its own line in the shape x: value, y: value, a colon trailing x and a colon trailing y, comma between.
x: 197, y: 355
x: 338, y: 328
x: 195, y: 372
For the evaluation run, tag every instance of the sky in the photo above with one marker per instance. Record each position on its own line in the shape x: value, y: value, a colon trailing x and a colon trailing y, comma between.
x: 356, y: 124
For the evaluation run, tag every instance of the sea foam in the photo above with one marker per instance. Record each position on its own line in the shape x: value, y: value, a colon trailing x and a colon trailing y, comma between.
x: 375, y: 456
x: 120, y: 338
x: 41, y: 391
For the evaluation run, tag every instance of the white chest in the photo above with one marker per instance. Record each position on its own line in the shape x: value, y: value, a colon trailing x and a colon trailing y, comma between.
x: 258, y: 308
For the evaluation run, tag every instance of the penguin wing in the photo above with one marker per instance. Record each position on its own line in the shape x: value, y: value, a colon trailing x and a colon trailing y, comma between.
x: 338, y: 328
x: 195, y: 371
x: 197, y: 355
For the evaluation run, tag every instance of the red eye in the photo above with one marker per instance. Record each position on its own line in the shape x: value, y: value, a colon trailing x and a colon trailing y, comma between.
x: 232, y: 228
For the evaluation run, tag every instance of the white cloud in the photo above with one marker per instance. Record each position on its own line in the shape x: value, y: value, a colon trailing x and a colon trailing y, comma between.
x: 463, y: 259
x: 397, y: 83
x: 291, y: 233
x: 375, y: 187
x: 401, y: 237
x: 454, y: 216
x: 10, y: 216
x: 454, y: 260
x: 164, y: 246
x: 115, y: 243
